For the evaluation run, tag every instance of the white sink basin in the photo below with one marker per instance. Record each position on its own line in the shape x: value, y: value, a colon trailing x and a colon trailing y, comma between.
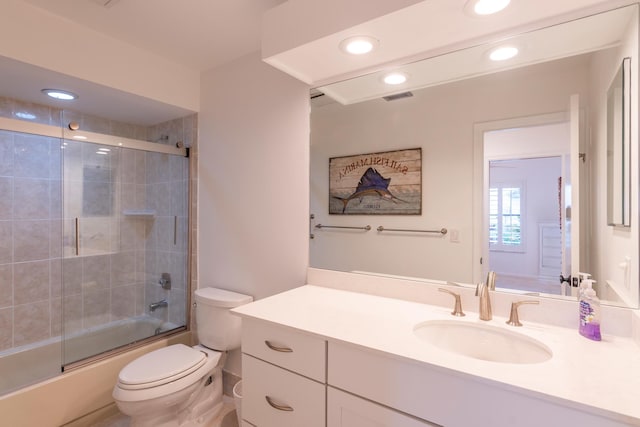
x: 484, y: 342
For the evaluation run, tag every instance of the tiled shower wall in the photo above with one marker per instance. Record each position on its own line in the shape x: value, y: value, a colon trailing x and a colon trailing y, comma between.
x: 123, y: 255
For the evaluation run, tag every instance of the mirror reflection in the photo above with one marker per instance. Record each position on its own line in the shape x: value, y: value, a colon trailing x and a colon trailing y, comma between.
x: 618, y: 154
x: 514, y: 165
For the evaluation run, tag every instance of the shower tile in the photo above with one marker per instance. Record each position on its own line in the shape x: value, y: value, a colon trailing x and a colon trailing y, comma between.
x: 127, y: 170
x: 55, y: 158
x: 6, y: 328
x: 140, y: 257
x: 141, y: 171
x: 164, y: 233
x: 177, y: 306
x: 30, y: 240
x: 96, y: 272
x: 140, y: 307
x: 72, y: 313
x: 123, y: 302
x: 55, y: 277
x: 55, y: 198
x: 96, y: 124
x: 96, y: 307
x: 97, y: 198
x: 43, y: 114
x: 127, y: 197
x: 131, y: 231
x: 31, y: 156
x: 31, y: 198
x: 31, y: 282
x: 6, y: 154
x: 141, y: 196
x: 56, y: 317
x: 6, y: 197
x: 179, y: 197
x: 55, y: 237
x: 72, y: 275
x: 6, y: 285
x: 159, y: 198
x: 31, y: 323
x: 95, y: 235
x: 123, y: 269
x: 6, y: 242
x: 124, y: 130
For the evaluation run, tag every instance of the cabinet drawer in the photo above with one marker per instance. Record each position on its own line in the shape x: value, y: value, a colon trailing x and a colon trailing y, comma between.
x: 347, y: 410
x: 295, y: 400
x: 285, y: 347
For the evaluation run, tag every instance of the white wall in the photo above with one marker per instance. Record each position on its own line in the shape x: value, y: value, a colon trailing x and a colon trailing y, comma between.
x: 34, y: 36
x: 617, y: 242
x: 440, y: 120
x: 254, y: 180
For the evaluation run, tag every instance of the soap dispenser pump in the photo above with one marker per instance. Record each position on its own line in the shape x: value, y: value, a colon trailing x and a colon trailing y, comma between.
x: 589, y: 312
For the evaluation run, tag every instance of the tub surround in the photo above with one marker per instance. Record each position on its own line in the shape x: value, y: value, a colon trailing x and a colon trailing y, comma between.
x: 76, y: 395
x: 378, y: 314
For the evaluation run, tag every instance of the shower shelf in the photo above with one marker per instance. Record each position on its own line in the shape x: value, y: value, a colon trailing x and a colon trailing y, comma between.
x: 150, y: 213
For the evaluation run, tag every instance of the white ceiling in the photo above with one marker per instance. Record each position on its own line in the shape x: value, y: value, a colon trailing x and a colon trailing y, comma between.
x: 200, y: 34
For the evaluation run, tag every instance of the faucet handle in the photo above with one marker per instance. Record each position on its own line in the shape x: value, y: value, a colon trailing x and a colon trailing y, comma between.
x: 457, y: 310
x: 513, y: 317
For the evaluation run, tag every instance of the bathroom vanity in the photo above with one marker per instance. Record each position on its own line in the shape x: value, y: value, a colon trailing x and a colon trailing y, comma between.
x: 317, y: 356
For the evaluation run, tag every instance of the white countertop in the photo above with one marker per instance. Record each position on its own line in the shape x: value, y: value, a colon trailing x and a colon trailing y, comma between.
x: 602, y: 378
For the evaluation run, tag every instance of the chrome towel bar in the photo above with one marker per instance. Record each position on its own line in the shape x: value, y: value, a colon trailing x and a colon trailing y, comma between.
x: 365, y: 228
x: 442, y: 231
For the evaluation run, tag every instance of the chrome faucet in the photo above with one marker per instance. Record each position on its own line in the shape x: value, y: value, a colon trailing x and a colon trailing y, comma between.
x: 482, y: 291
x: 154, y: 305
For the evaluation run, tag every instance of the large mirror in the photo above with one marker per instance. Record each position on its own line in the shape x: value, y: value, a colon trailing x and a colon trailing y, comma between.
x: 618, y: 144
x: 513, y: 167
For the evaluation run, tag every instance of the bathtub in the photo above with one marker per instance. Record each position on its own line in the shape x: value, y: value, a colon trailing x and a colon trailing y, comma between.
x: 42, y: 360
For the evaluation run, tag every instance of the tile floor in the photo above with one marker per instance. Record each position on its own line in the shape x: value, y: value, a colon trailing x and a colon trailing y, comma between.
x: 227, y: 418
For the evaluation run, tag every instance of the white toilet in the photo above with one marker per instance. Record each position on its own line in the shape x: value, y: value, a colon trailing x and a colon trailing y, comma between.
x: 180, y: 385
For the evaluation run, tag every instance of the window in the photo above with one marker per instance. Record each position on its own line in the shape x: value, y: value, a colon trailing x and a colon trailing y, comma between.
x: 505, y: 217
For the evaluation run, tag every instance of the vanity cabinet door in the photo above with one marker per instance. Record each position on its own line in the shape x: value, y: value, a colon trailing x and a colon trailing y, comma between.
x: 275, y: 397
x: 347, y: 410
x: 285, y: 347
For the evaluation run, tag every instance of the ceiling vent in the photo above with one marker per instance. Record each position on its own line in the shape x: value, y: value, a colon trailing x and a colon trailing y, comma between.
x: 105, y: 3
x: 397, y: 96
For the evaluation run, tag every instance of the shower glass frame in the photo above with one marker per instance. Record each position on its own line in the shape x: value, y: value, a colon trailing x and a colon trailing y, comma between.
x: 125, y: 230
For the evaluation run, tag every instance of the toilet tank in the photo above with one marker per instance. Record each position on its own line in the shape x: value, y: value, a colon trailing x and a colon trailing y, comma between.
x: 217, y: 328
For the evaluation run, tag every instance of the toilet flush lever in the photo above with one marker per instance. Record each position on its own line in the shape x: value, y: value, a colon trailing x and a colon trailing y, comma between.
x: 278, y: 348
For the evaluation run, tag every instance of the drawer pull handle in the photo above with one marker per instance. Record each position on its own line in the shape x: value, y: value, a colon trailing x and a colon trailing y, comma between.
x: 278, y: 407
x: 276, y: 348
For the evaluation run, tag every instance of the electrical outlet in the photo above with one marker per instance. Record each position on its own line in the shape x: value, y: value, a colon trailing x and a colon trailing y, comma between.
x: 454, y: 236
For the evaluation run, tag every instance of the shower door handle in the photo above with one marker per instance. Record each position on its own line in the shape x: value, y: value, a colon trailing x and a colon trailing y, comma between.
x: 77, y: 236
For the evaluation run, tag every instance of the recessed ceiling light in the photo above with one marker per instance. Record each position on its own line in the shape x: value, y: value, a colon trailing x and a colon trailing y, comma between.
x: 358, y: 45
x: 488, y: 7
x: 395, y: 78
x: 503, y: 53
x: 62, y: 95
x: 82, y: 137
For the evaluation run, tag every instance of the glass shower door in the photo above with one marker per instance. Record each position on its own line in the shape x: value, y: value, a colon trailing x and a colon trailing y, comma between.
x: 125, y: 245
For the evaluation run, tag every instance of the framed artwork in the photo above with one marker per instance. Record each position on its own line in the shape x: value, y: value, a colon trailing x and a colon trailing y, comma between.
x: 386, y: 183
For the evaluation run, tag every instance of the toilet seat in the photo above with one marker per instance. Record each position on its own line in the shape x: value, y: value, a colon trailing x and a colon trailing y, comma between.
x: 161, y: 366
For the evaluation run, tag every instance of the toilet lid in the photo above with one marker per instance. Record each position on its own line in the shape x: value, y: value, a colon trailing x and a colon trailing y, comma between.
x: 161, y: 366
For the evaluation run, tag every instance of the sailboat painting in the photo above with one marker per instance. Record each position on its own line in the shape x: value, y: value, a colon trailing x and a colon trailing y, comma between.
x: 386, y: 183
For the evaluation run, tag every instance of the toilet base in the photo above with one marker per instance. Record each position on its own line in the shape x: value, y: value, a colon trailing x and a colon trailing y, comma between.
x: 198, y: 409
